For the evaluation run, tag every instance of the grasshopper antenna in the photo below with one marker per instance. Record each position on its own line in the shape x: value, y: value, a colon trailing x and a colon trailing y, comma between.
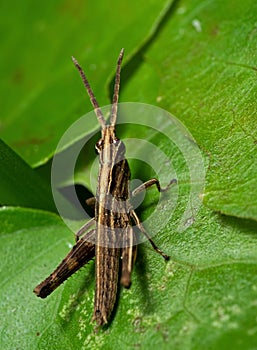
x: 116, y: 90
x: 91, y: 95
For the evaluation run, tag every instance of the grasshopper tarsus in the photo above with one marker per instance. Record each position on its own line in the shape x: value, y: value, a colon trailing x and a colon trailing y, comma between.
x: 158, y: 250
x: 164, y: 189
x: 151, y: 183
x: 165, y: 257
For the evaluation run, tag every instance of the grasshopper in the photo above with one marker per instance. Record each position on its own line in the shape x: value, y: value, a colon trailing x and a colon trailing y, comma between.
x: 112, y: 242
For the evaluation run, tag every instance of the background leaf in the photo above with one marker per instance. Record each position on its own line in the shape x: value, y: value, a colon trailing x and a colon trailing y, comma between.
x: 195, y: 59
x: 42, y: 93
x: 202, y: 68
x: 204, y: 297
x: 20, y: 185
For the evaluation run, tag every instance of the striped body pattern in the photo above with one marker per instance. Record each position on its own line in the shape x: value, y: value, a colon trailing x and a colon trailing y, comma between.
x: 112, y: 242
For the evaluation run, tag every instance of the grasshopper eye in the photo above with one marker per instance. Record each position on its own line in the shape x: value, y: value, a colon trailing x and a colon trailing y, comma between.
x: 99, y: 146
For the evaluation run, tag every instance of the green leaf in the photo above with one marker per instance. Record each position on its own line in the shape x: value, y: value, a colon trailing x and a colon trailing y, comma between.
x: 42, y: 94
x: 195, y: 59
x: 201, y: 66
x: 20, y: 185
x: 205, y: 297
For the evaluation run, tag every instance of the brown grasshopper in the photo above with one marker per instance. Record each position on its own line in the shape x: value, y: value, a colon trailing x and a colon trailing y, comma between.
x: 113, y: 241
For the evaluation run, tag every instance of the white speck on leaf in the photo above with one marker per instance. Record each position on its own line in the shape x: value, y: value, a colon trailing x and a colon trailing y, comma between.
x: 69, y: 245
x: 181, y: 10
x: 197, y: 25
